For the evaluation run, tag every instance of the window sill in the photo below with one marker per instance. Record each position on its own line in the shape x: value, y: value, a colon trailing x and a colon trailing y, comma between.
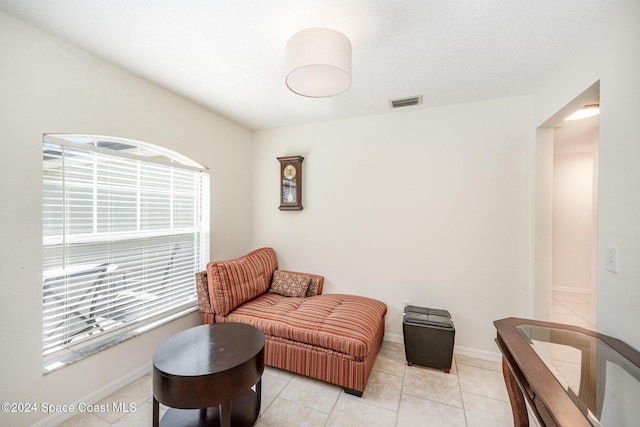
x: 76, y: 355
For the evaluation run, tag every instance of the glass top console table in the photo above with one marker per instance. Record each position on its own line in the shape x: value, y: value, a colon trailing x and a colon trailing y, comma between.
x: 570, y: 376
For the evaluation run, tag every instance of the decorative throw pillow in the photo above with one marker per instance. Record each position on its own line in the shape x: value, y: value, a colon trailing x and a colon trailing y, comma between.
x: 289, y: 284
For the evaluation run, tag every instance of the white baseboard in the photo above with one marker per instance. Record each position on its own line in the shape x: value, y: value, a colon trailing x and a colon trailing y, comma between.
x: 397, y: 338
x: 570, y: 289
x: 491, y: 356
x: 464, y: 351
x: 96, y: 396
x: 121, y: 382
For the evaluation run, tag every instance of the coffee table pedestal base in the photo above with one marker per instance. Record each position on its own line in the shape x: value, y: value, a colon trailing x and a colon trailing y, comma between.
x: 244, y: 413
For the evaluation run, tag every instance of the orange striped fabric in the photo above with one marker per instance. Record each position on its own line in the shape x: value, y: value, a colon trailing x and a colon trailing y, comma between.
x: 345, y: 324
x: 334, y: 338
x: 234, y: 282
x: 323, y: 364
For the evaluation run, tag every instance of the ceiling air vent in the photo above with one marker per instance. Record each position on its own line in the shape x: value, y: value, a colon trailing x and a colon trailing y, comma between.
x: 405, y: 102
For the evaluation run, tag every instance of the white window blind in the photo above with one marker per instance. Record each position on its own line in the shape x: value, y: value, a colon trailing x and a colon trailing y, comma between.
x: 125, y: 229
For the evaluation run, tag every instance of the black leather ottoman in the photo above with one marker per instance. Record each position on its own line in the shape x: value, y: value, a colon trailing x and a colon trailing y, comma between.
x: 428, y: 337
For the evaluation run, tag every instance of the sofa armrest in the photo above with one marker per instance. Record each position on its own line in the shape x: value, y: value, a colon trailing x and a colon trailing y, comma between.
x: 315, y: 287
x: 204, y: 301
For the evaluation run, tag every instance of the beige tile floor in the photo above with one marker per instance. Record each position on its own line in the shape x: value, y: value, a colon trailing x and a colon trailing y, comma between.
x: 473, y: 394
x: 572, y: 308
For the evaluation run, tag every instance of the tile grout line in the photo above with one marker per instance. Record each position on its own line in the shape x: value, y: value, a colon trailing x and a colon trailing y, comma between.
x: 464, y: 410
x: 395, y: 355
x: 262, y: 411
x: 404, y: 376
x: 333, y: 407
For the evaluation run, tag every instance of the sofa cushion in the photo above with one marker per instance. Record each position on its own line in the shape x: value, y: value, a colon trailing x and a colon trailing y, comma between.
x: 344, y: 323
x: 234, y: 282
x: 289, y: 284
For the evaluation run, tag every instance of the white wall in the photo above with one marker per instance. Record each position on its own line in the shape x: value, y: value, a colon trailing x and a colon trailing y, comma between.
x: 572, y: 220
x: 610, y: 54
x: 49, y: 86
x: 543, y: 224
x: 429, y: 205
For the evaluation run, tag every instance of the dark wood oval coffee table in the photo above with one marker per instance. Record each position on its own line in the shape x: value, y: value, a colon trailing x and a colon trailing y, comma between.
x: 206, y: 375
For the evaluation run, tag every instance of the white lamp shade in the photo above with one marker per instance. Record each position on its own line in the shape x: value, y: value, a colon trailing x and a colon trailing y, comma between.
x: 318, y: 63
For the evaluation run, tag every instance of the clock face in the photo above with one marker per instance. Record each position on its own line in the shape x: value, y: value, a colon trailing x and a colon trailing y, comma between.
x: 289, y: 172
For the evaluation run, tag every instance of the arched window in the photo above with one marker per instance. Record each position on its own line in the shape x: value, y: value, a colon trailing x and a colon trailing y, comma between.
x: 125, y: 228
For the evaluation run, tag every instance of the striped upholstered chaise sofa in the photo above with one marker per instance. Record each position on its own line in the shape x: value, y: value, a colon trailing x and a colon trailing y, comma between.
x: 330, y: 337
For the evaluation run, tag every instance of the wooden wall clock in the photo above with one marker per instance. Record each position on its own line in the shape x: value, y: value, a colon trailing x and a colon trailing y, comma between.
x: 291, y: 183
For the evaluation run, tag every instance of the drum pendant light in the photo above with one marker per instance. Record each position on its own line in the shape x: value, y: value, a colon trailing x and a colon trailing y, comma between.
x: 318, y: 63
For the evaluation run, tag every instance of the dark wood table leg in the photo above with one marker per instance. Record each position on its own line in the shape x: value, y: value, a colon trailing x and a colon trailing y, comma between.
x: 156, y: 413
x: 518, y: 405
x: 225, y: 414
x: 259, y: 396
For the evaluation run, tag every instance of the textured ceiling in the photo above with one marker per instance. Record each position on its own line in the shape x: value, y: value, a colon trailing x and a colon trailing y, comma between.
x: 229, y: 55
